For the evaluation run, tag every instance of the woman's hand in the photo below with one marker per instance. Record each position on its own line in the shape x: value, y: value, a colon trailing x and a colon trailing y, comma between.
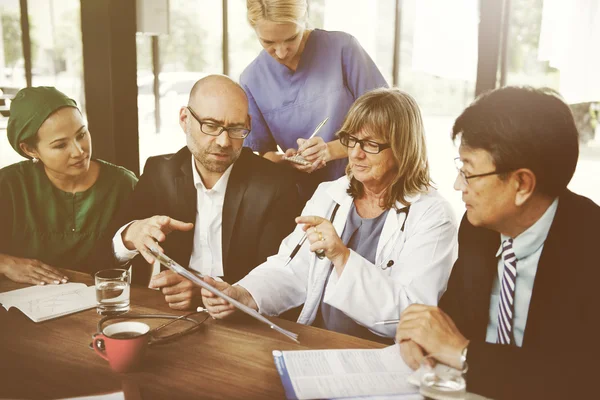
x: 219, y: 308
x: 314, y: 149
x: 322, y: 236
x: 26, y: 270
x: 308, y: 168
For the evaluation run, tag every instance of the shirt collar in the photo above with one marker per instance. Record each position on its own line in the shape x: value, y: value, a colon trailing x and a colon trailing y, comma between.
x: 534, y: 237
x: 219, y: 187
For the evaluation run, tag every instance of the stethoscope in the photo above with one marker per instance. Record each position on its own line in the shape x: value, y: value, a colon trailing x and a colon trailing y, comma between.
x: 404, y: 210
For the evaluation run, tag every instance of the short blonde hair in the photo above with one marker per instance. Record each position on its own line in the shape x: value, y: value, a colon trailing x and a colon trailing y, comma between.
x: 279, y: 11
x: 393, y: 116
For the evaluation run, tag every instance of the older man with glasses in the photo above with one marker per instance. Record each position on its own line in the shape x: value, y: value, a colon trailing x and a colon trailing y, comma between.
x: 214, y: 206
x: 521, y: 306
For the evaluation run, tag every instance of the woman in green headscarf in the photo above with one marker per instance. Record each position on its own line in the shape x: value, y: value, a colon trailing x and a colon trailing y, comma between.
x: 55, y: 206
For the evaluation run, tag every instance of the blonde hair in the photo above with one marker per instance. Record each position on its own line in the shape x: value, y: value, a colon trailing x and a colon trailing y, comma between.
x: 279, y: 11
x: 393, y: 116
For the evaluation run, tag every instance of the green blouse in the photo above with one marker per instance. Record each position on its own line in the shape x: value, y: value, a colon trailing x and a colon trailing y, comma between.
x: 40, y: 221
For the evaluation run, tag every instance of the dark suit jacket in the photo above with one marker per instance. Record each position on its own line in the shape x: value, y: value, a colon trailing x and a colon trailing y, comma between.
x: 561, y: 339
x: 261, y: 202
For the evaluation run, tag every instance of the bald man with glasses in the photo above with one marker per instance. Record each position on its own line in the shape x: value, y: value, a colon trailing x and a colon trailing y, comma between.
x: 214, y: 206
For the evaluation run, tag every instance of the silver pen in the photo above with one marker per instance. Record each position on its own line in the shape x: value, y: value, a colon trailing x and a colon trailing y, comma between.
x: 298, y: 159
x: 320, y: 253
x: 387, y: 322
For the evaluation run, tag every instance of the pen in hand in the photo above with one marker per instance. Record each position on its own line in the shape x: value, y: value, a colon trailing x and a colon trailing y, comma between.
x: 318, y: 128
x: 298, y: 159
x: 320, y: 253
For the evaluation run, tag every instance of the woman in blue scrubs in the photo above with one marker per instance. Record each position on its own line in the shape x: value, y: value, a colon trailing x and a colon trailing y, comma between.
x: 302, y: 77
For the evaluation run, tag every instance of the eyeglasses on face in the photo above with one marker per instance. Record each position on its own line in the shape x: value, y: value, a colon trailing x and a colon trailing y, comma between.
x: 368, y: 146
x: 458, y: 163
x: 212, y: 129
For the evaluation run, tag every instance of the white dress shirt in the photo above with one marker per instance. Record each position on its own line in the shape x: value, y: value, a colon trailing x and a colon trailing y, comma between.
x: 207, y: 250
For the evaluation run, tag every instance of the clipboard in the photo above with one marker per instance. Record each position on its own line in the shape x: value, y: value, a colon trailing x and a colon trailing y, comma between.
x: 175, y: 267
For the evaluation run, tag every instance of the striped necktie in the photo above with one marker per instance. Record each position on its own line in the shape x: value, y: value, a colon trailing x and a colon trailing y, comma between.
x: 507, y: 294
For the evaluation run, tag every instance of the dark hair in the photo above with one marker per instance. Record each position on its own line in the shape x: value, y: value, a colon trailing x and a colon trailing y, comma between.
x: 523, y: 127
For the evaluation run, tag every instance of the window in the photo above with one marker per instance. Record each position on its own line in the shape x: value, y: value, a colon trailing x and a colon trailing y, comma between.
x: 56, y: 48
x: 370, y: 22
x: 56, y: 55
x: 12, y: 71
x: 438, y: 66
x: 191, y: 50
x: 243, y: 43
x: 554, y: 44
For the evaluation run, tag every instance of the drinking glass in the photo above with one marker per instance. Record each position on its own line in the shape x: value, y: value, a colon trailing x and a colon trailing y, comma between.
x: 112, y: 291
x: 440, y: 381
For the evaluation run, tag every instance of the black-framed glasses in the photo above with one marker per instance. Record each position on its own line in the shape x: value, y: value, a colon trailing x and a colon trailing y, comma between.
x: 458, y: 163
x: 368, y: 146
x: 212, y: 129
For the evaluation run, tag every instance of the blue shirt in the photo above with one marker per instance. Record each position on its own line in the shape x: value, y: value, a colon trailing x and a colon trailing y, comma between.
x: 334, y: 70
x: 361, y: 235
x: 528, y: 248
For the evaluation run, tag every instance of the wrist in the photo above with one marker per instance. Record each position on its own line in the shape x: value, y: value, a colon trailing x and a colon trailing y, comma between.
x: 125, y: 237
x: 244, y: 297
x: 340, y: 262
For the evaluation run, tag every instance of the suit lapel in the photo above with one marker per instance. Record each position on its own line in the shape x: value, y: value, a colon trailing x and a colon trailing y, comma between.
x: 186, y: 192
x: 483, y: 280
x: 186, y: 208
x: 483, y: 268
x: 236, y: 187
x: 548, y: 282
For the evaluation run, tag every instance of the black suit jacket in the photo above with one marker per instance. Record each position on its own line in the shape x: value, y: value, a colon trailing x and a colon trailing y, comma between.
x: 560, y: 352
x: 261, y: 202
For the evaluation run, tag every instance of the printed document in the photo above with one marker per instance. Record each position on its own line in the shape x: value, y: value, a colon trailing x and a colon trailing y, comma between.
x: 318, y: 374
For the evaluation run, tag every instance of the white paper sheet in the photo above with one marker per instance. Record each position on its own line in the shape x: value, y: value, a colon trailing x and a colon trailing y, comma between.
x: 41, y: 303
x: 317, y: 374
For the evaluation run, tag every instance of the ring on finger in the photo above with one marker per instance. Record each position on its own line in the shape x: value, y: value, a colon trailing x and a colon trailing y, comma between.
x: 321, y: 238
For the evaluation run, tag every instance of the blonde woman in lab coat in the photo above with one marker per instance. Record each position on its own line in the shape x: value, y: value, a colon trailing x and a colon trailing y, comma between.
x: 378, y: 239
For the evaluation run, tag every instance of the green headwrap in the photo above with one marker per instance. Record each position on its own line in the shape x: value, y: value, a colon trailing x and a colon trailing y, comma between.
x: 28, y: 111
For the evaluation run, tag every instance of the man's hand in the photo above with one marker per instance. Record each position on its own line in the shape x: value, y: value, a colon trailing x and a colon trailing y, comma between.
x: 144, y: 234
x: 434, y: 331
x: 219, y: 308
x: 180, y: 293
x: 411, y: 353
x: 26, y: 270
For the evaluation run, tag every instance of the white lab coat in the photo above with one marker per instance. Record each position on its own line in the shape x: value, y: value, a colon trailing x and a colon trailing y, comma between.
x: 422, y: 255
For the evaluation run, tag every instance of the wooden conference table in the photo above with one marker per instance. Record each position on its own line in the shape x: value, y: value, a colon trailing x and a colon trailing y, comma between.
x: 223, y: 359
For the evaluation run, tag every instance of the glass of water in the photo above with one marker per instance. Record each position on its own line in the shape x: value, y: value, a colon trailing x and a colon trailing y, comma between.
x: 440, y: 381
x: 112, y: 291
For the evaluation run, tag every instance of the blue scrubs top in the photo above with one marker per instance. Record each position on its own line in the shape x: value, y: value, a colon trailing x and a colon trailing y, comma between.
x: 333, y: 72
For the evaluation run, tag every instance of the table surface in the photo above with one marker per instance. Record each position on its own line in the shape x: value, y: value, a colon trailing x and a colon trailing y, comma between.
x: 222, y: 359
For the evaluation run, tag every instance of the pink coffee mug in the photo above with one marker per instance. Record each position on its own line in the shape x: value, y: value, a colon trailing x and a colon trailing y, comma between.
x: 124, y: 344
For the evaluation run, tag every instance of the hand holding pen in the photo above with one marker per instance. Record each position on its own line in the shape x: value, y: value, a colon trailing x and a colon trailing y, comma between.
x: 312, y: 153
x: 323, y: 239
